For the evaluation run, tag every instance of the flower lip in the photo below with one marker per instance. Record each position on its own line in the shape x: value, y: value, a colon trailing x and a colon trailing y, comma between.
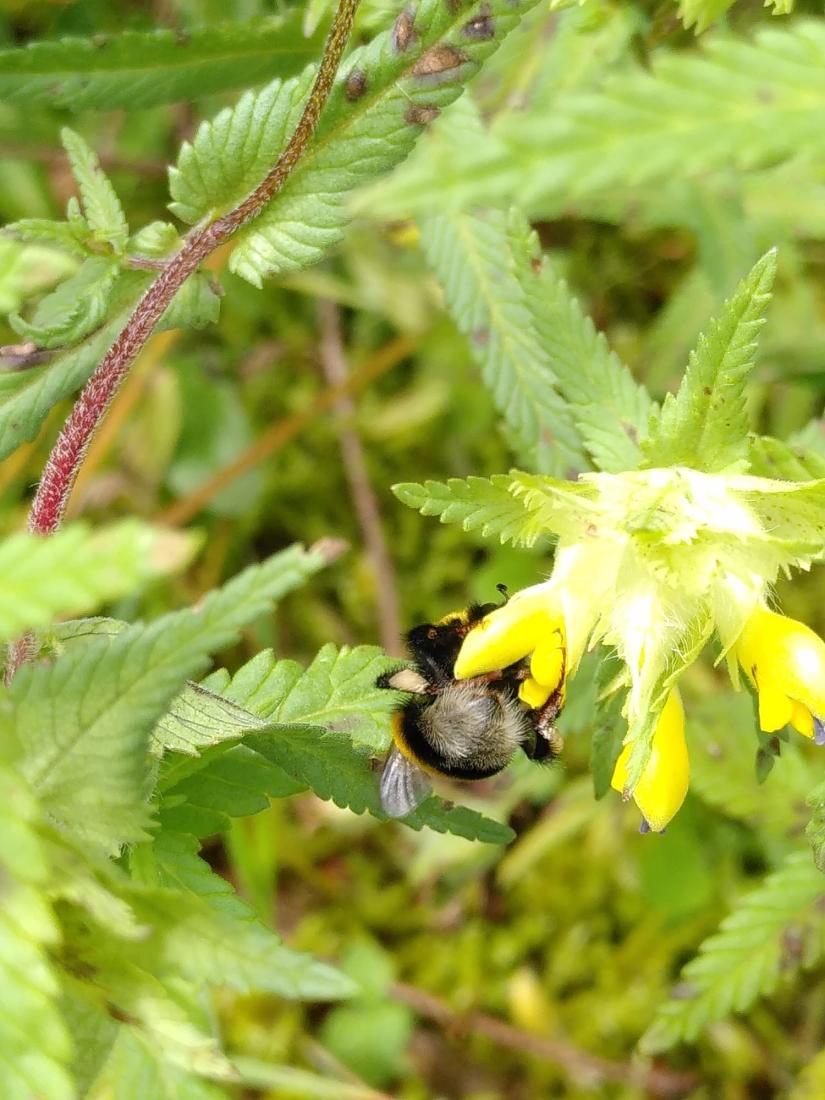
x: 511, y: 633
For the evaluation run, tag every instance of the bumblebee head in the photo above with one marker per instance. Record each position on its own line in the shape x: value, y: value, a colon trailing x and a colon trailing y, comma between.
x: 434, y: 646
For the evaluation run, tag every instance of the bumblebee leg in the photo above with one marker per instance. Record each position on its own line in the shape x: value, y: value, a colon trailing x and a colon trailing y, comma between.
x: 549, y: 742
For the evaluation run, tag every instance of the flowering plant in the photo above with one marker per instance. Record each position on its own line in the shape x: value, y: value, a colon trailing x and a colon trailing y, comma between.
x: 679, y: 548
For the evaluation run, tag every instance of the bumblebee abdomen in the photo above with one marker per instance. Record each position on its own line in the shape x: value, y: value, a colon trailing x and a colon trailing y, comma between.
x: 467, y: 731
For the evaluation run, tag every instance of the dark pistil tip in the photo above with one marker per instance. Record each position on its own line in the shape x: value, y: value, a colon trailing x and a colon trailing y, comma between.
x: 644, y: 827
x: 819, y: 731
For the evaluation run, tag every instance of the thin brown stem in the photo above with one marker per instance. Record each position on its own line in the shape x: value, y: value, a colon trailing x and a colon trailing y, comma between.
x: 585, y: 1069
x: 49, y: 505
x: 334, y: 364
x: 281, y: 432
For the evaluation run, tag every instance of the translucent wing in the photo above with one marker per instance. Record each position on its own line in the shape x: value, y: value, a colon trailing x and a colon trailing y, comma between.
x: 403, y: 785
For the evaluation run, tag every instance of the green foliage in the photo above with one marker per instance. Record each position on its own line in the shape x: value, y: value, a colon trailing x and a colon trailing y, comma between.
x: 90, y: 713
x: 411, y: 74
x: 691, y: 113
x: 74, y: 310
x: 101, y: 206
x: 33, y: 1038
x: 772, y: 933
x: 322, y: 726
x: 705, y: 424
x: 137, y: 69
x: 478, y: 504
x: 77, y: 570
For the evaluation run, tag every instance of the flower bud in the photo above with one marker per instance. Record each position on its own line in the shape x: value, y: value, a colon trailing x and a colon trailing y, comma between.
x: 663, y: 785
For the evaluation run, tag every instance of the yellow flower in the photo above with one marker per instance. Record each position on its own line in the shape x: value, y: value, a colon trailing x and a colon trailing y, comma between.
x: 785, y: 661
x: 662, y: 788
x: 529, y: 624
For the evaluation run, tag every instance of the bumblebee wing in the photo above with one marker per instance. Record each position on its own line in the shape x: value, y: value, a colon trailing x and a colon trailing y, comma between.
x: 403, y: 785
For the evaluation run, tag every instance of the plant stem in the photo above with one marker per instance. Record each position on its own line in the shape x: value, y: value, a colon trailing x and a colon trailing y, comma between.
x: 60, y: 472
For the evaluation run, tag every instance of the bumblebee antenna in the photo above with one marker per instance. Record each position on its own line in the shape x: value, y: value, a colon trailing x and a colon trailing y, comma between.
x: 504, y: 592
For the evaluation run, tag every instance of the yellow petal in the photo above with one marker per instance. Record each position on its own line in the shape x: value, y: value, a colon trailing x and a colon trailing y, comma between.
x: 774, y: 707
x: 547, y: 662
x: 533, y: 694
x: 802, y: 720
x: 509, y: 633
x: 664, y: 783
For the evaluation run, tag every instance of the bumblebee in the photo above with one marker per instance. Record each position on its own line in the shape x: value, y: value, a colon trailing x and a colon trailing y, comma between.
x: 462, y: 729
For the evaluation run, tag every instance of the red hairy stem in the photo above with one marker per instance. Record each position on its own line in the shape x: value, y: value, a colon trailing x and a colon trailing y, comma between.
x: 60, y: 472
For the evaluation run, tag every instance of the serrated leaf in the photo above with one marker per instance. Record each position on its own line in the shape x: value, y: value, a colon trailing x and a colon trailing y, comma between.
x: 138, y: 69
x: 699, y: 14
x: 705, y: 424
x: 86, y: 719
x: 199, y: 718
x: 473, y: 257
x: 201, y: 796
x: 774, y: 931
x: 609, y: 408
x: 77, y: 569
x: 74, y: 309
x: 155, y: 240
x: 678, y: 114
x: 785, y: 461
x: 337, y: 692
x: 815, y: 829
x: 477, y: 503
x: 33, y: 1039
x: 45, y: 231
x: 101, y: 206
x: 23, y: 412
x: 212, y: 936
x: 409, y: 74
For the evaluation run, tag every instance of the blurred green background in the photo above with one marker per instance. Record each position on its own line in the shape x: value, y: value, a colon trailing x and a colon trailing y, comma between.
x: 529, y: 972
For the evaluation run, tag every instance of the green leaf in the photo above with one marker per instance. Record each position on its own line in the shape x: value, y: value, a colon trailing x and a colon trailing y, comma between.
x: 774, y: 931
x: 327, y: 718
x: 45, y: 231
x: 213, y: 937
x: 139, y: 69
x: 474, y: 257
x: 77, y: 570
x: 221, y: 784
x: 705, y: 424
x: 23, y: 413
x: 199, y: 718
x: 477, y: 503
x: 386, y: 93
x: 136, y: 1070
x: 815, y: 829
x: 74, y: 309
x: 101, y: 206
x: 288, y: 1081
x: 86, y: 719
x: 678, y: 114
x: 609, y: 408
x: 786, y: 461
x: 701, y: 13
x: 34, y: 1043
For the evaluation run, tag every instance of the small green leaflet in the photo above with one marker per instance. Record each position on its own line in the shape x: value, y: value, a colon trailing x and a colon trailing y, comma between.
x: 88, y: 716
x: 477, y: 503
x: 705, y: 424
x: 23, y: 413
x: 77, y: 570
x: 101, y: 206
x: 774, y: 931
x: 139, y: 69
x: 136, y: 1070
x: 74, y: 309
